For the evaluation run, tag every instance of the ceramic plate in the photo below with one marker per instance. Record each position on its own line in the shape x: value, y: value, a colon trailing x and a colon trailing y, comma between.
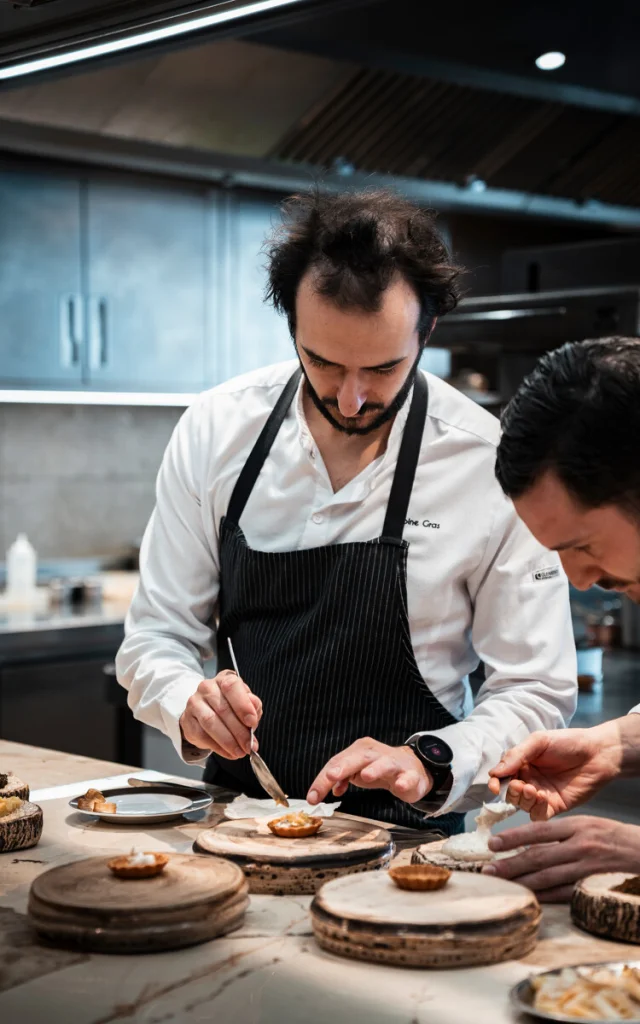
x: 136, y: 806
x: 522, y: 995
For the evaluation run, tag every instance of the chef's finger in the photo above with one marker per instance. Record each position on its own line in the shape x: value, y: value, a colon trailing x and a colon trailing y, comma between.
x: 216, y: 730
x: 239, y: 697
x: 528, y: 797
x: 410, y: 786
x: 536, y: 832
x: 341, y: 787
x: 344, y: 766
x: 381, y: 768
x: 217, y: 701
x: 193, y: 733
x: 542, y: 810
x: 534, y: 861
x: 529, y: 750
x: 554, y: 877
x: 562, y: 894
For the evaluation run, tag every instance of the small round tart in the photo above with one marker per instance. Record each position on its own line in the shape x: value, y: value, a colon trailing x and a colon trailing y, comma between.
x: 295, y: 826
x: 125, y: 866
x: 419, y: 877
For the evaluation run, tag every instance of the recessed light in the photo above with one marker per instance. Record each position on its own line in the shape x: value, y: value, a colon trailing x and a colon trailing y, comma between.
x: 475, y: 184
x: 550, y: 61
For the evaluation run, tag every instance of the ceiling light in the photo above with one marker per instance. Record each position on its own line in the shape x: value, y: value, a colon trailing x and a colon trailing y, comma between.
x: 153, y: 35
x: 550, y: 61
x: 475, y: 184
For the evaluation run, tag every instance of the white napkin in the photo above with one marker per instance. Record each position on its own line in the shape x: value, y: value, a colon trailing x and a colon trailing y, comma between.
x: 267, y: 810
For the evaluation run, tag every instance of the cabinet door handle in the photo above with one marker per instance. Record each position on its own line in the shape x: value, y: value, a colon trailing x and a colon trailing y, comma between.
x: 98, y: 334
x: 71, y: 330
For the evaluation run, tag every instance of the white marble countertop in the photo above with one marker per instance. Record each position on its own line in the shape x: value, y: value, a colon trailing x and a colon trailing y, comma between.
x: 269, y: 972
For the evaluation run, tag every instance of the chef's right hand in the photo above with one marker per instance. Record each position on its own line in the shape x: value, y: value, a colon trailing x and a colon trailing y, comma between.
x: 557, y: 771
x: 220, y: 715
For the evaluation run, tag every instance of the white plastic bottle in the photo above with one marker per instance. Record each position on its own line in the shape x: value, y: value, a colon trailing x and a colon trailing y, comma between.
x: 21, y: 570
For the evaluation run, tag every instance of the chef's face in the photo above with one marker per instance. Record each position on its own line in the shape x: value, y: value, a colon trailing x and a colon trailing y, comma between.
x: 596, y: 545
x: 359, y: 366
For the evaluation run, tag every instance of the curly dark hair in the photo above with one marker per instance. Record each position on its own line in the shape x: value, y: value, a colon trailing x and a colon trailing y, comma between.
x: 577, y: 414
x: 356, y: 242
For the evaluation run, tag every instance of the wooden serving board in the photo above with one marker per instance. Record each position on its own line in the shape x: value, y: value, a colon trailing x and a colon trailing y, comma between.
x: 22, y: 829
x: 287, y: 866
x: 474, y: 919
x: 431, y: 853
x: 596, y: 908
x: 84, y: 905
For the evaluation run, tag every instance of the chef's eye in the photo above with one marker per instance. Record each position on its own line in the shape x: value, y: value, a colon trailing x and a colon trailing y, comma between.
x: 319, y: 363
x: 384, y: 371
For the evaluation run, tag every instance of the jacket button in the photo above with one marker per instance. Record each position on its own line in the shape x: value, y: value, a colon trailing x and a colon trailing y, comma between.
x: 317, y: 518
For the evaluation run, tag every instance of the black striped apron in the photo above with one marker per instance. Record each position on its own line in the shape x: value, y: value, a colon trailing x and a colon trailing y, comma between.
x: 322, y: 637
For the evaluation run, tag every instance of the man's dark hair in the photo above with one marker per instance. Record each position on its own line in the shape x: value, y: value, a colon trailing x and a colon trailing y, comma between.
x: 578, y: 414
x: 356, y: 242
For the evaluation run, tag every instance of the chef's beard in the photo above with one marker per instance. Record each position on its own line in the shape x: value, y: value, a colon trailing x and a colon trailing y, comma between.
x: 386, y: 413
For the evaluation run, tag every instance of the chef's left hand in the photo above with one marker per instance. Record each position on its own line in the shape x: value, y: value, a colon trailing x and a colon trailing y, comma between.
x: 564, y: 850
x: 370, y: 764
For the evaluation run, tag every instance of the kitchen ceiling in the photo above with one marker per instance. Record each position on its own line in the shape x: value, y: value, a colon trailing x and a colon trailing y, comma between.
x: 423, y: 128
x: 398, y: 88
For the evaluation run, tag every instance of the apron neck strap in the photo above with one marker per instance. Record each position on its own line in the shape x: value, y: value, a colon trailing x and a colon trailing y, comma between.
x: 255, y: 462
x: 406, y: 465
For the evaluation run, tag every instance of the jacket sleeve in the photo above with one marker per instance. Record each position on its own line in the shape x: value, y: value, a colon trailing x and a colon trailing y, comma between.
x: 522, y: 632
x: 168, y: 630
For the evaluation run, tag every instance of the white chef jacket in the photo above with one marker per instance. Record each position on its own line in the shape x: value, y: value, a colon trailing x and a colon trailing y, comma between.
x: 479, y: 585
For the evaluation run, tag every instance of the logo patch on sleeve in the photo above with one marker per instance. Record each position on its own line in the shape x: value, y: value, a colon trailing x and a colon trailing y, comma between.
x: 547, y: 574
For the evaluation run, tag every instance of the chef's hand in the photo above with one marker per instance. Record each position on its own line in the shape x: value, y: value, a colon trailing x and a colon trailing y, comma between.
x: 370, y: 764
x: 220, y: 715
x: 557, y: 771
x: 562, y: 852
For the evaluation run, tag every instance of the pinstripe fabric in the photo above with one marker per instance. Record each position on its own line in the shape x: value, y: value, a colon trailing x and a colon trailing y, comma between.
x: 322, y: 637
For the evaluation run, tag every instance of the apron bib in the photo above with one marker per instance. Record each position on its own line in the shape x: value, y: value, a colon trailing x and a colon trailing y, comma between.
x: 322, y: 637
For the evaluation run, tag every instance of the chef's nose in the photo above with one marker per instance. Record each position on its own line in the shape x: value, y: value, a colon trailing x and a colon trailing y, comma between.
x: 351, y: 396
x: 582, y: 572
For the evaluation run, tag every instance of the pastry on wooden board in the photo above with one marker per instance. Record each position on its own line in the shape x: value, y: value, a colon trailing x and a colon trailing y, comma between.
x: 419, y: 877
x: 297, y: 825
x: 138, y: 865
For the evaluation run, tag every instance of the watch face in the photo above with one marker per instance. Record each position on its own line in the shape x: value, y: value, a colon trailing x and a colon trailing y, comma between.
x: 435, y: 750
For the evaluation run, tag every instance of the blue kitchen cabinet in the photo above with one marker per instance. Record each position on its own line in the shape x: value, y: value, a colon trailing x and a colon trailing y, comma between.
x: 254, y: 334
x: 41, y: 303
x: 146, y: 303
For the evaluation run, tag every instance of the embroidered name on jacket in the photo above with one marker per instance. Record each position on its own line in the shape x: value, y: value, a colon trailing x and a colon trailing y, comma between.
x: 425, y: 522
x: 547, y: 574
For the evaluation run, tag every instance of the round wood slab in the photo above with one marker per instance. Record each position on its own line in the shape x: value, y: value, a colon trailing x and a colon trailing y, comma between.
x: 22, y: 829
x: 431, y: 853
x: 474, y: 919
x: 287, y: 866
x: 83, y: 904
x: 596, y: 908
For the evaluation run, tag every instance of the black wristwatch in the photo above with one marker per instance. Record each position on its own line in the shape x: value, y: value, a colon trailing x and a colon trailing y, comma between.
x: 436, y: 756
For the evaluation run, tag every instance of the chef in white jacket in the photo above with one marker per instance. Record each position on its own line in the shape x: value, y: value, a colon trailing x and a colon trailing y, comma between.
x: 337, y: 517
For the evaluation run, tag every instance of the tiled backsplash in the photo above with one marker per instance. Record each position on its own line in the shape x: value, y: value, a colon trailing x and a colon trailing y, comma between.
x: 79, y: 480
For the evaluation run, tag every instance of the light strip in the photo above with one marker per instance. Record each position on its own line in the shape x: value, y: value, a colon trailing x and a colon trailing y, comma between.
x: 142, y: 38
x: 150, y: 398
